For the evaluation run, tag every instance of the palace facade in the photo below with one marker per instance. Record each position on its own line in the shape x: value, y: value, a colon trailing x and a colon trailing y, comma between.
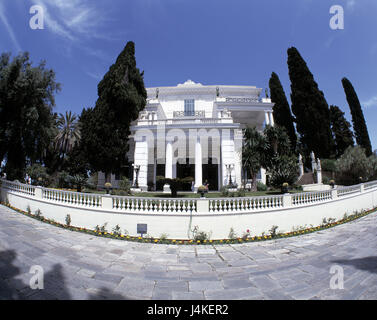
x: 195, y: 130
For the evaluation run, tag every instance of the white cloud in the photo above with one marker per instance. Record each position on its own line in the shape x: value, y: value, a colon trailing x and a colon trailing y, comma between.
x: 351, y: 4
x: 12, y: 35
x: 370, y: 103
x: 72, y: 19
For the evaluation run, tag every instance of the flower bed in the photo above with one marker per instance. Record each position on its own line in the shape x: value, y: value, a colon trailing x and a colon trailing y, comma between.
x: 349, y: 218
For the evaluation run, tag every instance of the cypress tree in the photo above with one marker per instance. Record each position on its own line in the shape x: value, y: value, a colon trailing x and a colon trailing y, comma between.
x: 281, y: 111
x: 358, y: 120
x: 106, y: 127
x: 341, y: 129
x: 309, y: 107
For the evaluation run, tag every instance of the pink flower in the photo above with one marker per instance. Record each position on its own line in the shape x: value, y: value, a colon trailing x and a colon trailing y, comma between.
x: 248, y: 231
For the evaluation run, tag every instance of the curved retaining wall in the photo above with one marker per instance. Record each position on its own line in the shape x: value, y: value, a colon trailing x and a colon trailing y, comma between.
x: 177, y: 217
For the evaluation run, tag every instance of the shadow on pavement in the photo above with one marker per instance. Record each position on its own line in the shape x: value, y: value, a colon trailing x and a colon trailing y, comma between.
x: 367, y: 264
x: 12, y: 287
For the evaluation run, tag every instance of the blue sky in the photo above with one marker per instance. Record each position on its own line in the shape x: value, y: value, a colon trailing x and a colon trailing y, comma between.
x: 208, y: 41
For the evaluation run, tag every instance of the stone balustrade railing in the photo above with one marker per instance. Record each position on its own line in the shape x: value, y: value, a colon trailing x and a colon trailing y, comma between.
x: 18, y: 187
x: 73, y: 198
x: 245, y: 204
x: 182, y: 205
x: 153, y: 205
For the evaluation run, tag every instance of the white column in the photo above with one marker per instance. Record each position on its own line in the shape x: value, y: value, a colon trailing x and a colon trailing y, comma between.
x: 272, y: 122
x: 198, y: 163
x: 169, y: 159
x: 141, y: 159
x: 168, y: 163
x: 263, y: 175
x: 227, y: 156
x: 154, y: 174
x: 267, y: 118
x: 238, y: 157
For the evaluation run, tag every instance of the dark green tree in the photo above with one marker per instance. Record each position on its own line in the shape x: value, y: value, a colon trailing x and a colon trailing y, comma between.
x: 309, y: 107
x: 26, y: 119
x: 341, y: 130
x: 254, y: 150
x: 106, y: 127
x: 359, y: 126
x: 281, y: 110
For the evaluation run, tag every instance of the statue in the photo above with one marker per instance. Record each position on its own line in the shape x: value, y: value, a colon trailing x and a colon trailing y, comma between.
x: 217, y: 92
x: 157, y: 92
x: 266, y: 92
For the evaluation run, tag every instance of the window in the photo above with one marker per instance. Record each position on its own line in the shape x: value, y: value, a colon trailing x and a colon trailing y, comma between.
x: 190, y: 107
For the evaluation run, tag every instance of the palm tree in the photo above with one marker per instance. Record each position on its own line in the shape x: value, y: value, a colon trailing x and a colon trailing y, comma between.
x: 69, y: 133
x: 254, y: 150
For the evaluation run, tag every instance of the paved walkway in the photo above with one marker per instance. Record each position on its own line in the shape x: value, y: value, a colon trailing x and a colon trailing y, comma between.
x: 81, y: 266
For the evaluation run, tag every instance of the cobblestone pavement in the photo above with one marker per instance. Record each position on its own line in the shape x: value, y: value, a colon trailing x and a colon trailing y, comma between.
x: 81, y: 266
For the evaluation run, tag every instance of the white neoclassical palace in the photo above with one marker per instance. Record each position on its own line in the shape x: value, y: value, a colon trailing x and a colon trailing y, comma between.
x: 195, y: 130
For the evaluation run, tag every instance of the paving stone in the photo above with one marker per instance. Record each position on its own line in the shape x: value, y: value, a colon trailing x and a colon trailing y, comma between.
x: 237, y: 283
x: 81, y: 266
x: 204, y: 285
x: 188, y: 295
x: 236, y: 294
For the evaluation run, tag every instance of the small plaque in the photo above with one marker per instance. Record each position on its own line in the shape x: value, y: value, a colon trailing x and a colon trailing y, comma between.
x: 142, y: 228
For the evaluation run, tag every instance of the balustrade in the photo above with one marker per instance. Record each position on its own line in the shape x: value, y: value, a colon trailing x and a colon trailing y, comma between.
x: 181, y: 205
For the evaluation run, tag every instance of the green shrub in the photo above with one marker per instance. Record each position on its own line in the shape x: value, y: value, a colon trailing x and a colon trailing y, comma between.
x: 353, y: 167
x: 38, y: 214
x: 325, y: 180
x: 79, y: 181
x: 201, y: 236
x: 224, y: 191
x: 116, y: 230
x: 284, y: 170
x: 38, y: 174
x: 116, y: 192
x: 328, y: 165
x: 163, y: 236
x: 101, y: 229
x: 232, y: 234
x: 261, y: 186
x: 68, y: 220
x: 125, y: 185
x: 64, y: 180
x: 272, y: 231
x: 241, y: 193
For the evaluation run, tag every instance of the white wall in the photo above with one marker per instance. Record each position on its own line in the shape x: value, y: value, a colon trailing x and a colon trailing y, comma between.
x: 178, y: 225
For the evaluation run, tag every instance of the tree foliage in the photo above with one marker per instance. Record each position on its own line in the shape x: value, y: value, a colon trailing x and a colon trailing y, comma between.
x: 358, y: 120
x: 354, y: 166
x: 341, y: 130
x: 106, y: 127
x: 281, y: 110
x: 68, y: 133
x: 284, y: 170
x: 26, y: 118
x: 309, y: 107
x: 254, y: 151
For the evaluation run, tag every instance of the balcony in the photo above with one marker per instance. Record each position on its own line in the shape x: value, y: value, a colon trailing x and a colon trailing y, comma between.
x: 193, y: 114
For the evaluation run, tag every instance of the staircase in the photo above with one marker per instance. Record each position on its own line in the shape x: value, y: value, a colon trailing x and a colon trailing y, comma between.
x: 306, y: 178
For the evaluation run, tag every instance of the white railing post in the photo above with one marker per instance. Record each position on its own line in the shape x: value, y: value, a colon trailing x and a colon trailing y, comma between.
x: 107, y: 202
x: 202, y: 205
x: 287, y: 200
x: 362, y: 188
x: 39, y: 192
x: 334, y: 194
